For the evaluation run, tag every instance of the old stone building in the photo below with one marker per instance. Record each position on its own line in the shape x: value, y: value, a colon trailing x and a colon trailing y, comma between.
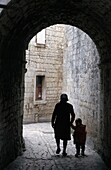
x: 44, y: 68
x: 81, y: 78
x: 19, y: 22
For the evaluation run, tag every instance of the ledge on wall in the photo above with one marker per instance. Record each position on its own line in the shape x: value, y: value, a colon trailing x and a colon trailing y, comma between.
x: 40, y: 102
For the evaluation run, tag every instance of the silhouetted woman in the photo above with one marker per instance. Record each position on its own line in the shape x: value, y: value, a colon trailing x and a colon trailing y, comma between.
x: 62, y: 117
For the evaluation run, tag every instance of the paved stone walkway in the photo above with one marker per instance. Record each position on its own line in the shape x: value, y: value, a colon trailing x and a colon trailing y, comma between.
x: 40, y: 153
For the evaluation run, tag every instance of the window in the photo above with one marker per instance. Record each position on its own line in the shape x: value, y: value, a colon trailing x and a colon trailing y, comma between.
x: 40, y: 37
x: 39, y: 88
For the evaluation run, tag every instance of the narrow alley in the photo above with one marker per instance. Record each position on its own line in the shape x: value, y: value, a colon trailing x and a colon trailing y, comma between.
x: 40, y: 153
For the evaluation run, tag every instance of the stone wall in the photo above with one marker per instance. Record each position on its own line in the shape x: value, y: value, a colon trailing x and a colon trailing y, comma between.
x: 11, y: 105
x: 81, y: 77
x: 44, y: 60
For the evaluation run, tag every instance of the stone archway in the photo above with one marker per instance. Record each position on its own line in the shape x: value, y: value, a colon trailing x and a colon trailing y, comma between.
x: 19, y: 22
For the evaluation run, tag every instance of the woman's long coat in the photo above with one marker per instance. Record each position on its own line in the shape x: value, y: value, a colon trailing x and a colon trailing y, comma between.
x: 62, y: 117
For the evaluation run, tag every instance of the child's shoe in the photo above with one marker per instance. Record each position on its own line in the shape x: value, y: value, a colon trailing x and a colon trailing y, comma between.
x: 76, y: 155
x: 64, y: 154
x: 83, y: 154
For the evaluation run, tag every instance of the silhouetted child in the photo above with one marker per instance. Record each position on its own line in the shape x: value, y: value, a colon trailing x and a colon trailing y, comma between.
x: 79, y: 136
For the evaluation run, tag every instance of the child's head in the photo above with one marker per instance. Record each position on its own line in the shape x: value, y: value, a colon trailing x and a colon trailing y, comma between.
x: 78, y: 121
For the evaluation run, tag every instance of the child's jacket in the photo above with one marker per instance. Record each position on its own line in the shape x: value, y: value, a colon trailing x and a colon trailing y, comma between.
x: 79, y: 134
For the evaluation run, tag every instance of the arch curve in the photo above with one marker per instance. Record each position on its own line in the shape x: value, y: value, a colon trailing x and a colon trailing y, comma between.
x: 22, y: 20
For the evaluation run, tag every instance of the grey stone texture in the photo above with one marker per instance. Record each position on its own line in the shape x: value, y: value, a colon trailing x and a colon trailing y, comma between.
x: 46, y: 60
x: 81, y: 76
x: 19, y: 22
x: 41, y: 148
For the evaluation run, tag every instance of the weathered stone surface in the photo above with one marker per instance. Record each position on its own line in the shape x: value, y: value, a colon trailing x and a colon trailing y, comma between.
x: 41, y: 148
x: 82, y: 77
x: 44, y: 60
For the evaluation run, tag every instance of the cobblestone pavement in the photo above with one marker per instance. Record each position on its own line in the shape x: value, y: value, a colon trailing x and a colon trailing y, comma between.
x: 40, y: 153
